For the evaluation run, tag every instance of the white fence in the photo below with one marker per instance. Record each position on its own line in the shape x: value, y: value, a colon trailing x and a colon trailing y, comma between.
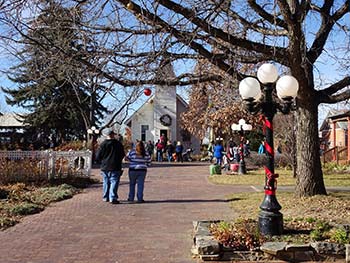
x: 49, y: 164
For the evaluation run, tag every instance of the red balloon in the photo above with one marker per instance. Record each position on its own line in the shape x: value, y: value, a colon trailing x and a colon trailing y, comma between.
x: 147, y: 92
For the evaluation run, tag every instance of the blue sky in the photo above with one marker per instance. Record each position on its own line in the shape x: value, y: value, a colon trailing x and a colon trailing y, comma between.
x: 326, y: 67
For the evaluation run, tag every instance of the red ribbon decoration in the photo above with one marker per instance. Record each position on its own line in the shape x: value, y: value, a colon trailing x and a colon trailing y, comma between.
x: 270, y: 192
x: 270, y: 189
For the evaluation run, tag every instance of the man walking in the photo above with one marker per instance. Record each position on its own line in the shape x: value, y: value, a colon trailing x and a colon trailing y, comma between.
x: 110, y: 156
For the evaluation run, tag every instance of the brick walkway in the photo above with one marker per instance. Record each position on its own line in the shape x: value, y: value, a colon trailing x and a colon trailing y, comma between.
x: 85, y: 229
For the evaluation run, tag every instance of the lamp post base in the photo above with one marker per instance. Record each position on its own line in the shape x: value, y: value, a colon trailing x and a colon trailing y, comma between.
x: 270, y: 223
x: 241, y: 168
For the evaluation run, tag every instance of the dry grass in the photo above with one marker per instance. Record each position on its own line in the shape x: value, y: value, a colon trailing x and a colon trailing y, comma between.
x: 332, y: 208
x: 285, y: 178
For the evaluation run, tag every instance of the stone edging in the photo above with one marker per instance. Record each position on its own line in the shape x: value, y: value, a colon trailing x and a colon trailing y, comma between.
x: 207, y: 248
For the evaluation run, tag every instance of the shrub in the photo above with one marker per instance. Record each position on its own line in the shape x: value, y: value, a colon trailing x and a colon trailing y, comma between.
x: 7, y: 222
x: 340, y: 235
x: 24, y: 209
x: 321, y: 231
x: 46, y: 195
x: 24, y: 170
x: 241, y: 235
x: 256, y: 159
x: 333, y: 167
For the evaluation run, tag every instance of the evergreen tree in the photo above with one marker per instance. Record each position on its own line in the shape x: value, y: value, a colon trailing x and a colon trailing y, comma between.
x: 58, y: 92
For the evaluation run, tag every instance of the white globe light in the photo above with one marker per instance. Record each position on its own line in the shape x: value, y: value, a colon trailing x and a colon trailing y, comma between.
x: 89, y: 131
x: 247, y: 127
x: 235, y: 127
x: 267, y: 73
x: 287, y: 86
x: 250, y: 88
x: 241, y: 122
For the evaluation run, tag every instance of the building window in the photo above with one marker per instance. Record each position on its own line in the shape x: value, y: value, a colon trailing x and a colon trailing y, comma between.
x: 144, y: 128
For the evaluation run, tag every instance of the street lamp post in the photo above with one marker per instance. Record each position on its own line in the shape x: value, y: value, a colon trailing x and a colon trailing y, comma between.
x: 270, y: 219
x: 241, y: 127
x: 92, y: 133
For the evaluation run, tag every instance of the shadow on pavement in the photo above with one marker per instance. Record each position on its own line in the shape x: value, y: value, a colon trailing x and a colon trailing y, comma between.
x: 188, y: 201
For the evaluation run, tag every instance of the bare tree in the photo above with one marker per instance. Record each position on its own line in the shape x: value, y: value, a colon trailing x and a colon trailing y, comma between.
x: 232, y: 36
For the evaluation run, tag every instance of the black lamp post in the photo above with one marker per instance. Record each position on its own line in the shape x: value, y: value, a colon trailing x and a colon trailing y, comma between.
x: 241, y: 127
x: 270, y: 219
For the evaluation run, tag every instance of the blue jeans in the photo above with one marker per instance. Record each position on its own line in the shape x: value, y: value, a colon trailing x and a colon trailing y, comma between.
x: 110, y: 185
x: 136, y: 177
x: 170, y: 156
x: 159, y: 155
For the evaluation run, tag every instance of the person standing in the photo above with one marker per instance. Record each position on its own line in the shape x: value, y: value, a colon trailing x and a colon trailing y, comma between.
x: 218, y: 152
x: 169, y: 150
x: 139, y: 161
x: 110, y: 155
x: 178, y: 150
x: 150, y: 148
x: 261, y: 148
x: 160, y: 149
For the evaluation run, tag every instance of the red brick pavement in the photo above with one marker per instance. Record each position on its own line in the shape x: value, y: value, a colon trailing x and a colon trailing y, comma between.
x: 84, y: 229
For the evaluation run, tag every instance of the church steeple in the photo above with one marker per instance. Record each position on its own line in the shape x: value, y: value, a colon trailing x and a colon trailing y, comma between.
x: 165, y: 104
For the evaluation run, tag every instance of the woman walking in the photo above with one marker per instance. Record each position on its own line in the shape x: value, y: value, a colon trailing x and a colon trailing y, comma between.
x: 139, y: 159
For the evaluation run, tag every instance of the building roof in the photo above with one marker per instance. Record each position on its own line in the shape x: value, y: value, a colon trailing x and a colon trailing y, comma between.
x: 178, y: 97
x: 10, y: 120
x: 335, y: 115
x: 342, y: 115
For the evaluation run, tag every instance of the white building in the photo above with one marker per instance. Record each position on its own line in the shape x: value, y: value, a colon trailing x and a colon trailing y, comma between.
x: 160, y: 114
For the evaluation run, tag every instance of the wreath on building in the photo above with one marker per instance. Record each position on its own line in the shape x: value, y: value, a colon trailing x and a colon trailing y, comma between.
x: 165, y: 120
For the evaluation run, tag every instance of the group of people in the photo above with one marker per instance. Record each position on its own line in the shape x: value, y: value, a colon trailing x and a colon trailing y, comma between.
x: 110, y: 156
x: 231, y: 153
x: 173, y: 151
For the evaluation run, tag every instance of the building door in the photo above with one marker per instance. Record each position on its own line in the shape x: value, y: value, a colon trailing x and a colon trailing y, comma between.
x: 166, y: 134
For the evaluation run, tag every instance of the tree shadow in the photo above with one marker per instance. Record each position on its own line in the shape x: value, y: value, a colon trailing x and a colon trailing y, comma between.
x: 179, y: 201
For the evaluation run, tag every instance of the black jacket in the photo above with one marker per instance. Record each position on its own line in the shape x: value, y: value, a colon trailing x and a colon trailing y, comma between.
x: 110, y: 155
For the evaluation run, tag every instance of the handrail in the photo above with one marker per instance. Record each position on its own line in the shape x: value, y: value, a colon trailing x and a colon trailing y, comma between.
x: 335, y: 151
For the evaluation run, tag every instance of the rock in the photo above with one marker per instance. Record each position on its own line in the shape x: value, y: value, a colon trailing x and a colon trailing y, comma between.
x: 329, y: 248
x: 273, y: 247
x: 206, y: 245
x: 298, y: 247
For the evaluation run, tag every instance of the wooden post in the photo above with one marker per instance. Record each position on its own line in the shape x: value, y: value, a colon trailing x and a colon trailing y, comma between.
x: 348, y: 159
x: 334, y: 139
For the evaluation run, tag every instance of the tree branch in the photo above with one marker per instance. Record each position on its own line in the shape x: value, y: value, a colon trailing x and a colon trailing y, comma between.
x: 326, y: 95
x: 219, y: 33
x: 328, y: 22
x: 270, y: 18
x: 337, y: 98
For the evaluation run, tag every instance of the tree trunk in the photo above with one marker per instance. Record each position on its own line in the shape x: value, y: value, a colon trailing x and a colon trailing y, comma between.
x: 309, y: 180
